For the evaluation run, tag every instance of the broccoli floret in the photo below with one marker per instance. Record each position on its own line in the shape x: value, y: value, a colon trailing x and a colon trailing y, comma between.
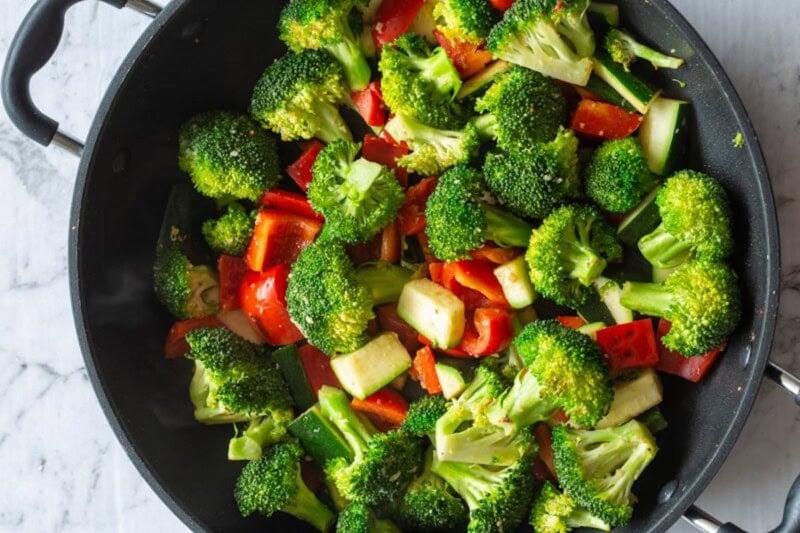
x: 420, y: 83
x: 357, y: 197
x: 498, y: 498
x: 273, y: 483
x: 701, y: 299
x: 569, y: 251
x: 520, y: 109
x: 383, y: 464
x: 186, y: 290
x: 459, y: 220
x: 565, y: 369
x: 326, y: 24
x: 617, y: 177
x: 465, y: 20
x: 624, y: 49
x: 297, y: 97
x: 556, y: 512
x: 230, y: 233
x: 432, y: 150
x: 383, y: 280
x: 423, y: 414
x: 695, y: 222
x: 429, y: 504
x: 228, y: 155
x: 236, y: 381
x: 550, y: 36
x: 597, y: 468
x: 325, y: 299
x: 534, y: 181
x: 358, y: 518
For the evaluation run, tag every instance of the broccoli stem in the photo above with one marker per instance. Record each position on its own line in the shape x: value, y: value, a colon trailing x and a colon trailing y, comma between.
x: 333, y: 126
x: 248, y: 446
x: 356, y: 68
x: 439, y: 70
x: 583, y: 264
x: 664, y: 250
x: 469, y: 481
x: 486, y: 125
x: 656, y: 58
x: 336, y: 408
x: 504, y: 229
x: 649, y: 298
x: 383, y: 280
x: 306, y: 506
x: 523, y: 403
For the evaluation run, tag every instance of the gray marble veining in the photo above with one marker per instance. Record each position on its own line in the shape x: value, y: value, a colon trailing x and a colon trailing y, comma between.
x: 62, y: 468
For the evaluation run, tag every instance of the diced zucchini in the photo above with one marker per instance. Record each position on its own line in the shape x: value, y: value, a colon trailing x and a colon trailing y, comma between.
x: 516, y: 285
x: 607, y: 93
x: 654, y: 419
x: 592, y: 329
x: 609, y: 291
x: 482, y: 78
x: 433, y: 311
x: 385, y: 280
x: 609, y: 12
x: 663, y: 135
x: 292, y: 370
x: 594, y: 310
x: 632, y: 398
x: 634, y: 90
x: 641, y: 221
x: 451, y: 380
x: 373, y: 366
x: 319, y: 438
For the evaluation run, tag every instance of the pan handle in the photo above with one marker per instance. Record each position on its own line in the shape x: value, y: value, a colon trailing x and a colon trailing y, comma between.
x: 32, y: 47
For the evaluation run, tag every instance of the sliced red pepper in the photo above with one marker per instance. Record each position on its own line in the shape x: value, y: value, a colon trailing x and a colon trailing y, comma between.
x: 586, y: 94
x: 468, y: 58
x: 472, y: 298
x: 496, y: 254
x: 390, y: 321
x: 390, y: 243
x: 300, y: 170
x: 452, y: 352
x: 492, y: 332
x: 502, y: 5
x: 541, y: 432
x: 478, y: 274
x: 631, y: 345
x: 387, y: 404
x: 540, y: 471
x: 573, y: 322
x: 393, y: 19
x: 604, y: 121
x: 411, y: 216
x: 425, y: 370
x: 369, y: 103
x: 435, y: 272
x: 366, y: 252
x: 176, y: 346
x: 386, y: 152
x: 317, y: 367
x: 279, y: 237
x: 231, y: 271
x: 263, y: 299
x: 689, y: 368
x: 289, y: 202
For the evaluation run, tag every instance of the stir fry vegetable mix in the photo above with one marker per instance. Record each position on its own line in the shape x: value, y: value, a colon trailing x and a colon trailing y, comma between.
x: 380, y: 314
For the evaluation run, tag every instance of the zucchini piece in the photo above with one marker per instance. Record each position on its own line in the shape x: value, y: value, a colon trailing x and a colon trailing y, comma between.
x: 609, y: 13
x: 373, y: 366
x: 433, y: 311
x: 594, y: 310
x: 607, y: 93
x: 641, y: 221
x: 291, y: 369
x: 319, y: 438
x: 609, y: 291
x: 451, y: 380
x: 634, y: 90
x: 516, y: 285
x: 632, y: 398
x: 385, y: 280
x: 654, y: 419
x: 592, y: 329
x: 664, y: 133
x: 482, y: 78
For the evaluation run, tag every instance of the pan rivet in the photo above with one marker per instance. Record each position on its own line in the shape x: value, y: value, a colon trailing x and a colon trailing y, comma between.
x: 667, y: 491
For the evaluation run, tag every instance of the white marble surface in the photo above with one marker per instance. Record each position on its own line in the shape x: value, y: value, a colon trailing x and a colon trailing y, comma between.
x: 60, y: 465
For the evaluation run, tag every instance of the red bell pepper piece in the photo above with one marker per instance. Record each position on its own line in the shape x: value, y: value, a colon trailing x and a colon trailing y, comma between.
x: 411, y: 216
x: 390, y: 321
x: 300, y: 170
x: 604, y: 121
x: 478, y: 274
x: 435, y: 271
x: 393, y: 19
x: 631, y: 345
x: 425, y: 370
x: 263, y: 299
x: 290, y: 202
x: 176, y: 346
x: 386, y: 152
x: 472, y: 298
x: 231, y: 271
x: 689, y: 368
x: 468, y: 58
x: 496, y: 254
x: 573, y: 322
x: 369, y: 103
x: 541, y: 433
x: 387, y: 404
x: 279, y: 237
x: 390, y: 243
x: 492, y: 332
x: 502, y: 5
x: 317, y: 367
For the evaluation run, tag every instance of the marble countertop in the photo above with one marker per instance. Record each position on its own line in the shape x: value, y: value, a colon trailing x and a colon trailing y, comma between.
x: 62, y: 468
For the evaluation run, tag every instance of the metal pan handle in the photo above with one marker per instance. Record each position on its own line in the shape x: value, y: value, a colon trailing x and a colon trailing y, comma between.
x: 34, y: 44
x: 791, y: 511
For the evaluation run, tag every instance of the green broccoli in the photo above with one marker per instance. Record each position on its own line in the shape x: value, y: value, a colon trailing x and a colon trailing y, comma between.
x: 357, y: 197
x: 358, y: 518
x: 556, y: 512
x: 383, y: 464
x: 569, y: 251
x: 186, y: 290
x: 230, y: 233
x: 236, y: 381
x: 597, y: 468
x: 695, y: 222
x: 273, y: 483
x: 432, y: 150
x: 228, y: 155
x: 499, y: 498
x: 420, y: 83
x: 429, y: 504
x: 297, y: 97
x: 624, y: 49
x: 520, y: 109
x: 701, y: 299
x: 617, y: 177
x: 550, y: 36
x: 423, y: 414
x: 465, y: 20
x: 326, y: 24
x: 459, y: 220
x: 383, y: 280
x: 532, y: 182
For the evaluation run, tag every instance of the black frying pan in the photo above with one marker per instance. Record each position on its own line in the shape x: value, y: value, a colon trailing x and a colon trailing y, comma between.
x: 207, y: 54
